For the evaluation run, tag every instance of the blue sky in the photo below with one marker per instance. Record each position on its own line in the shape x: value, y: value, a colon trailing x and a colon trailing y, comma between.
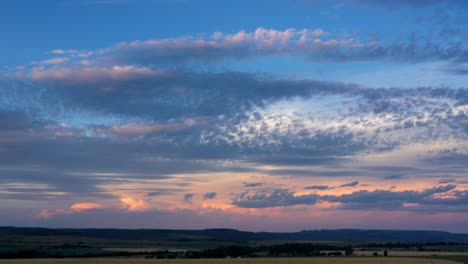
x: 33, y: 28
x: 199, y: 114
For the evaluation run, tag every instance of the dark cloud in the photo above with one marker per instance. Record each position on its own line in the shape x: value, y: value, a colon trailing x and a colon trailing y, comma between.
x: 179, y: 94
x: 198, y: 117
x: 385, y: 199
x: 14, y: 121
x: 188, y: 197
x: 359, y: 200
x: 252, y: 184
x: 387, y: 169
x: 450, y: 158
x: 306, y: 173
x: 350, y: 184
x: 209, y: 196
x: 444, y: 181
x: 278, y: 197
x: 162, y: 191
x: 394, y: 177
x: 73, y: 186
x: 318, y: 187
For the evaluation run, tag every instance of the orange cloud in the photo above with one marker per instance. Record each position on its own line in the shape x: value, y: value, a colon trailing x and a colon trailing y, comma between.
x: 134, y: 205
x: 78, y: 207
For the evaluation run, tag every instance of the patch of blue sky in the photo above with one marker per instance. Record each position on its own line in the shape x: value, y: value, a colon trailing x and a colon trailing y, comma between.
x: 372, y: 74
x: 299, y: 68
x: 83, y: 119
x: 431, y: 74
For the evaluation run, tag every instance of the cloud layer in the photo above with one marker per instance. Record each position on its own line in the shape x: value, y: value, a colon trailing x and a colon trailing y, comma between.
x: 139, y: 129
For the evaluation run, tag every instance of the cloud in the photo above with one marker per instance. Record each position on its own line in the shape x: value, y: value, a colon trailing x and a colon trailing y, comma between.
x: 74, y: 209
x: 219, y: 46
x: 52, y: 61
x: 309, y: 44
x: 444, y: 181
x: 134, y: 205
x: 85, y: 206
x: 169, y: 95
x: 394, y: 177
x: 72, y: 53
x: 359, y: 200
x: 92, y: 76
x: 188, y: 122
x: 11, y: 120
x: 133, y: 130
x: 350, y: 184
x: 188, y: 197
x: 197, y: 133
x: 162, y: 191
x: 209, y: 196
x: 278, y: 197
x: 127, y: 116
x: 394, y: 200
x: 318, y: 187
x: 252, y: 184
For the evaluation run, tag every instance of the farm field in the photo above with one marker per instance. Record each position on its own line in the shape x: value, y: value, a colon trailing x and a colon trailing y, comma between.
x: 146, y: 249
x: 349, y: 260
x: 403, y: 253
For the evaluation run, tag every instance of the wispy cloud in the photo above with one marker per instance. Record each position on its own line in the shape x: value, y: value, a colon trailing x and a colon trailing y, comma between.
x: 350, y: 184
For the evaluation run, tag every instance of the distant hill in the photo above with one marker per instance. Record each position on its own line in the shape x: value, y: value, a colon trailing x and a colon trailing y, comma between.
x: 231, y: 235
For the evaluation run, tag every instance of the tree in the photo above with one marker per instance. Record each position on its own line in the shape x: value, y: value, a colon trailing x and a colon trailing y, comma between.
x: 349, y: 251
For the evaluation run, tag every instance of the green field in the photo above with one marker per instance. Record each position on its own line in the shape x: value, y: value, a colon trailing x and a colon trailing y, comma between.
x: 344, y: 260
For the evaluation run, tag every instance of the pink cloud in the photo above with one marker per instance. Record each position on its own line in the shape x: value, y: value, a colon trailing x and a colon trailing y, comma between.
x: 91, y: 75
x: 143, y: 129
x: 219, y: 45
x: 75, y: 208
x: 135, y: 129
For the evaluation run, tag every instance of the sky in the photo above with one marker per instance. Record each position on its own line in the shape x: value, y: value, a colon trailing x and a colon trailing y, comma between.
x: 255, y: 115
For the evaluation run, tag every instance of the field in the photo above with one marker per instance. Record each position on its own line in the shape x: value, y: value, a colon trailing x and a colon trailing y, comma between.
x: 404, y: 253
x: 103, y: 246
x: 351, y: 260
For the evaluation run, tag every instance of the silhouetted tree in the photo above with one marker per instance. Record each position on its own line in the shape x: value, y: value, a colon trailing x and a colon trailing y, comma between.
x: 349, y: 251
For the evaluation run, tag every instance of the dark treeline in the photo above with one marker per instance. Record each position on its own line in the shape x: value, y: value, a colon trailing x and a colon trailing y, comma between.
x: 38, y: 253
x: 284, y: 250
x: 418, y: 245
x: 234, y: 251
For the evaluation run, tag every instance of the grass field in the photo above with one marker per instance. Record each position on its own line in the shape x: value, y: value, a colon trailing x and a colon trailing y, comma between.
x: 404, y: 253
x: 344, y: 260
